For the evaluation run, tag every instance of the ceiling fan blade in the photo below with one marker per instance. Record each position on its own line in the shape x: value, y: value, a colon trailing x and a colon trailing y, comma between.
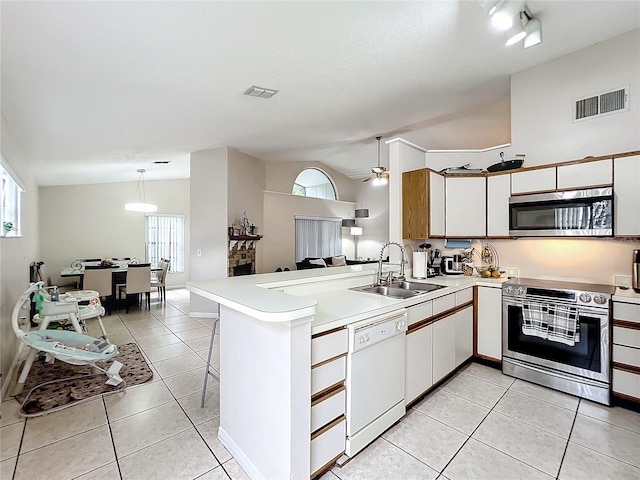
x: 368, y: 178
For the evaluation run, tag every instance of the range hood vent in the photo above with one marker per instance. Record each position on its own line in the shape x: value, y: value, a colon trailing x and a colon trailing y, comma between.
x: 605, y: 103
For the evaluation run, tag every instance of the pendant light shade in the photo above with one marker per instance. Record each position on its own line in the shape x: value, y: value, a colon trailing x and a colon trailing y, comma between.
x: 141, y: 206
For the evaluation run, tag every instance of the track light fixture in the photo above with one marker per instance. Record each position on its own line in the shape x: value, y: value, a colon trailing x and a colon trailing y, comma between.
x: 514, y: 17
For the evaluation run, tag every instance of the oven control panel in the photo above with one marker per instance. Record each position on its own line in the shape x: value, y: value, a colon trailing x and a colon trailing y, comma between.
x: 576, y: 297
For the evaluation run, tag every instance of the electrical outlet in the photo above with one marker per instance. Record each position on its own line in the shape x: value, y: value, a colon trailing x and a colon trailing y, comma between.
x: 198, y: 252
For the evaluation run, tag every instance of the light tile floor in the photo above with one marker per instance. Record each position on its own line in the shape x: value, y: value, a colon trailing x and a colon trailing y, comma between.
x: 478, y: 425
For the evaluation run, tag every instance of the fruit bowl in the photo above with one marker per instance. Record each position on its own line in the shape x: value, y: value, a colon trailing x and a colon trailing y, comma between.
x: 490, y: 272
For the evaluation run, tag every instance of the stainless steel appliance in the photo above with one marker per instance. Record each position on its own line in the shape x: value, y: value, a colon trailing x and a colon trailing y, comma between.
x: 558, y: 334
x: 635, y: 271
x: 375, y: 377
x: 452, y: 265
x: 576, y: 213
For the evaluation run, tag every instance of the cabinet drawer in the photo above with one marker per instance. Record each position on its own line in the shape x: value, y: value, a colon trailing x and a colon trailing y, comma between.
x: 587, y: 174
x: 444, y: 303
x: 328, y: 374
x: 626, y: 383
x: 626, y: 355
x: 464, y: 296
x: 419, y: 312
x: 626, y: 336
x: 328, y: 346
x: 542, y: 180
x: 626, y: 311
x: 328, y: 445
x: 328, y: 408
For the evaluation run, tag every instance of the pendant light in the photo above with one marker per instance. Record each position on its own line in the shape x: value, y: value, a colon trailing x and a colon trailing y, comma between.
x: 141, y: 206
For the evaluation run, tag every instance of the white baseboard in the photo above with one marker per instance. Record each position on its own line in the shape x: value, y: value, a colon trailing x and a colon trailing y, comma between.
x: 203, y: 314
x: 244, y: 461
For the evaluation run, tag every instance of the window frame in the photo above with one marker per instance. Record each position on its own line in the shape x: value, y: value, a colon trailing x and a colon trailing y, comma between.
x: 177, y: 256
x: 11, y: 188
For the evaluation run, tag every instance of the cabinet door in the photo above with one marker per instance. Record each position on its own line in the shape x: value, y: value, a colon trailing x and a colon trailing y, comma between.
x: 585, y: 175
x: 414, y: 204
x: 444, y: 347
x: 541, y: 180
x: 498, y: 191
x: 466, y: 210
x: 418, y: 374
x: 464, y: 335
x: 489, y: 340
x: 626, y: 178
x: 436, y: 205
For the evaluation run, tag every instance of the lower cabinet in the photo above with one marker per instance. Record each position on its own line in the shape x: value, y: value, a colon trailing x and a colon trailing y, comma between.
x: 418, y: 377
x: 464, y: 335
x: 489, y: 323
x: 626, y: 351
x: 444, y: 347
x: 328, y: 398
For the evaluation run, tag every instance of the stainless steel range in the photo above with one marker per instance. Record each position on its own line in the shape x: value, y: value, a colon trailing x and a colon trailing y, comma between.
x: 558, y: 334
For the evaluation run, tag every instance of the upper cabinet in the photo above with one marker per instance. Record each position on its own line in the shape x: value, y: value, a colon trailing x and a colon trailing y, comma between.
x: 585, y: 175
x: 626, y: 189
x: 436, y: 205
x: 498, y: 192
x: 531, y: 181
x: 466, y: 209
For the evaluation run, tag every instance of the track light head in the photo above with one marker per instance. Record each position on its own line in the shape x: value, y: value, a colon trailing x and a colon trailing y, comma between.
x: 533, y: 30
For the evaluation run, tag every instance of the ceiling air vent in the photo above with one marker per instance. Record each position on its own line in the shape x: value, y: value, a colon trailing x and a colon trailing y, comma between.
x: 261, y: 92
x: 605, y: 103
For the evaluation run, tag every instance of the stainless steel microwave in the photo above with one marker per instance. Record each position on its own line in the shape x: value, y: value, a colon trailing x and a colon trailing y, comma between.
x: 576, y: 213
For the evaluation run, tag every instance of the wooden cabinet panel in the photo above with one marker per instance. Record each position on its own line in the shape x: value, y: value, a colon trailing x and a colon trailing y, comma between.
x: 626, y: 178
x: 585, y: 175
x: 415, y: 206
x: 498, y: 192
x: 466, y: 210
x: 489, y: 317
x: 530, y: 181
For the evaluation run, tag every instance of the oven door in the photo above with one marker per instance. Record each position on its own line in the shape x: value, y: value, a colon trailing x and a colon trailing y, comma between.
x: 588, y: 358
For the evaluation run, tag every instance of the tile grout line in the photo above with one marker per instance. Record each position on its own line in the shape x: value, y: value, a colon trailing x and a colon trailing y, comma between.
x: 113, y: 443
x: 566, y: 447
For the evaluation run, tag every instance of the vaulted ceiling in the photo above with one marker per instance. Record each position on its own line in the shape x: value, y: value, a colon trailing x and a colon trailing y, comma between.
x: 91, y: 91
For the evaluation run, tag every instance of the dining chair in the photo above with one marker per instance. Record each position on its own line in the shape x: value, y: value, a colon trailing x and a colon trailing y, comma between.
x: 99, y: 279
x: 138, y: 282
x: 160, y: 281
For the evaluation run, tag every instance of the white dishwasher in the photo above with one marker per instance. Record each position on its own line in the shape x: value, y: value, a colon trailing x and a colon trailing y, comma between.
x: 375, y: 377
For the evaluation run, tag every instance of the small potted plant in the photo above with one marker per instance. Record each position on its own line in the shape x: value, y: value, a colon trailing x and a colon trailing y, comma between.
x: 7, y: 226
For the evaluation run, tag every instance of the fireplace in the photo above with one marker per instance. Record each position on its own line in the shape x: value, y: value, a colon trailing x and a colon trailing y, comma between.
x: 242, y: 256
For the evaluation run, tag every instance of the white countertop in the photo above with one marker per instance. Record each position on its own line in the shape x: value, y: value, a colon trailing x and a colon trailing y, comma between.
x: 627, y: 296
x: 324, y: 294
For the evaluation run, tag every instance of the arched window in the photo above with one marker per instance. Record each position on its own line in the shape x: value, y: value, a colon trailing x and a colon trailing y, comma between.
x: 313, y: 182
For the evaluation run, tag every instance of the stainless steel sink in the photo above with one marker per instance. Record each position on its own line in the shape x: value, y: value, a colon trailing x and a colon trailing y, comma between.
x: 399, y: 289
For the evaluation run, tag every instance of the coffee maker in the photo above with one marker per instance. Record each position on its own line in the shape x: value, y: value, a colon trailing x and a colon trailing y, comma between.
x: 452, y: 265
x: 635, y: 271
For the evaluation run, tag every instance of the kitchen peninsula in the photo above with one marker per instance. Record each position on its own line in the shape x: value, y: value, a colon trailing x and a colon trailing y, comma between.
x: 283, y: 349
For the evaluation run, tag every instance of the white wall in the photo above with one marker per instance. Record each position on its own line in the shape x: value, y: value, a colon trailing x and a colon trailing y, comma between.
x: 89, y: 221
x: 375, y: 229
x: 280, y: 209
x: 15, y: 254
x: 542, y: 100
x: 209, y: 206
x: 247, y: 180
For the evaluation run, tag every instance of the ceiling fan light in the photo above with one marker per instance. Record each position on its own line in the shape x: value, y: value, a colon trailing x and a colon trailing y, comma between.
x: 379, y: 181
x: 533, y: 30
x: 502, y: 20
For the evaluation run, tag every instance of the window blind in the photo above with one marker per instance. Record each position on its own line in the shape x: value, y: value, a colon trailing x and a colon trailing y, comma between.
x: 165, y: 239
x: 318, y: 237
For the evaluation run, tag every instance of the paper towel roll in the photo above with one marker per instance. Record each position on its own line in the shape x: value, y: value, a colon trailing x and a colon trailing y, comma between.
x: 419, y: 265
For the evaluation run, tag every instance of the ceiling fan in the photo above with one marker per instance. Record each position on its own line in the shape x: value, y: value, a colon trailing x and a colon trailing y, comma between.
x: 379, y: 174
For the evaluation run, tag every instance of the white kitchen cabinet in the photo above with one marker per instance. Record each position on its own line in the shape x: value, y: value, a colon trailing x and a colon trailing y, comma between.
x: 466, y: 208
x: 626, y: 350
x: 531, y: 181
x: 418, y: 367
x: 463, y: 335
x: 489, y: 318
x: 626, y: 179
x: 585, y: 175
x: 498, y: 192
x: 436, y: 204
x: 444, y: 347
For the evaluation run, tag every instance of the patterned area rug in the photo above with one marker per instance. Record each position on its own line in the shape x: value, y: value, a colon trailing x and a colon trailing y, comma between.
x: 134, y: 371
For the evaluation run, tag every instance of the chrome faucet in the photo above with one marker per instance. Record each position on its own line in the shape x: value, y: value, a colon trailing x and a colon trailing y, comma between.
x: 390, y: 278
